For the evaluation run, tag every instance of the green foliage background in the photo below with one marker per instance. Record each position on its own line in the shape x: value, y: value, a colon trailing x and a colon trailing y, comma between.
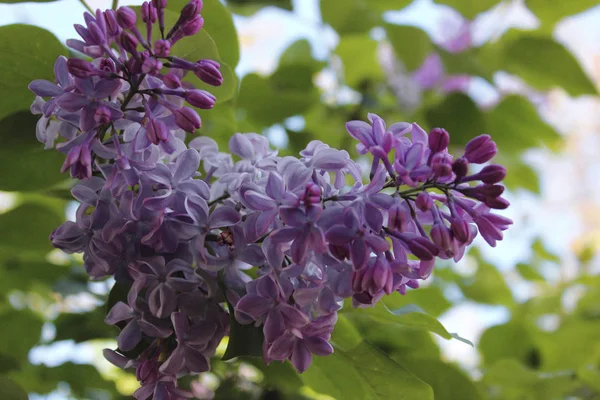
x: 383, y: 353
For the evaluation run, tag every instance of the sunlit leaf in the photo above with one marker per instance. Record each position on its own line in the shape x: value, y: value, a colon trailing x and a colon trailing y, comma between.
x: 18, y: 68
x: 470, y: 8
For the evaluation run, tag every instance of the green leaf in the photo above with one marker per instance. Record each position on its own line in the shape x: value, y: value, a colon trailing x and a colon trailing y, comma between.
x: 25, y: 275
x: 26, y: 166
x: 244, y: 340
x: 266, y: 104
x: 511, y: 380
x: 470, y: 8
x: 277, y: 376
x: 359, y: 56
x: 25, y: 229
x: 465, y: 63
x: 515, y: 126
x: 410, y: 44
x: 11, y: 390
x: 431, y: 299
x: 82, y: 379
x: 487, y: 285
x: 510, y: 340
x: 574, y: 344
x: 29, y: 54
x: 545, y: 64
x: 82, y: 327
x: 550, y: 12
x: 447, y: 381
x: 365, y: 373
x: 300, y: 53
x: 397, y: 341
x: 410, y: 315
x: 459, y: 115
x: 540, y: 250
x: 519, y: 175
x: 529, y: 273
x: 20, y: 332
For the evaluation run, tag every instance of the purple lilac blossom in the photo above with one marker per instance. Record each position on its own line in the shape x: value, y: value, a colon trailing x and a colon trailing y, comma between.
x: 184, y: 241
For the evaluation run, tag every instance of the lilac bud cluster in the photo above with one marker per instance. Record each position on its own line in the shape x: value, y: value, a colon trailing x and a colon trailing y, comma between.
x: 283, y: 240
x: 128, y: 102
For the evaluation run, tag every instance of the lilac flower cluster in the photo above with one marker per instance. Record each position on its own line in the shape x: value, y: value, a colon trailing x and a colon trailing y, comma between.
x: 283, y: 240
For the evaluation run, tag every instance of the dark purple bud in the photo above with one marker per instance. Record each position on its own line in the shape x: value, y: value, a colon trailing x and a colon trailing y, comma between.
x: 187, y: 119
x: 102, y: 115
x: 193, y: 26
x: 460, y: 229
x: 460, y: 167
x: 200, y: 98
x: 492, y: 174
x: 441, y: 165
x: 424, y: 201
x: 171, y: 81
x: 438, y: 140
x: 162, y: 48
x: 128, y: 42
x: 208, y: 72
x: 80, y: 68
x: 149, y: 15
x: 422, y: 248
x: 483, y: 190
x: 191, y: 9
x: 126, y: 17
x: 151, y: 66
x: 480, y: 149
x: 157, y: 131
x: 440, y: 235
x: 497, y: 203
x: 112, y: 26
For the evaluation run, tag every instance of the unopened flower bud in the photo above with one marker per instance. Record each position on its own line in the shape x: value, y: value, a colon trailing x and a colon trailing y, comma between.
x: 187, y: 119
x: 492, y: 174
x: 191, y: 9
x: 128, y: 42
x: 480, y: 149
x: 460, y: 229
x: 200, y: 98
x: 460, y: 167
x: 149, y: 14
x: 171, y: 81
x: 126, y: 17
x: 193, y: 26
x: 497, y: 203
x: 208, y: 72
x: 438, y: 140
x: 81, y: 68
x: 112, y: 25
x: 157, y: 131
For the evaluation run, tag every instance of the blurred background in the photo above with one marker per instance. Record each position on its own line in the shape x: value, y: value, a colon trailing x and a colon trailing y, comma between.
x: 525, y: 71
